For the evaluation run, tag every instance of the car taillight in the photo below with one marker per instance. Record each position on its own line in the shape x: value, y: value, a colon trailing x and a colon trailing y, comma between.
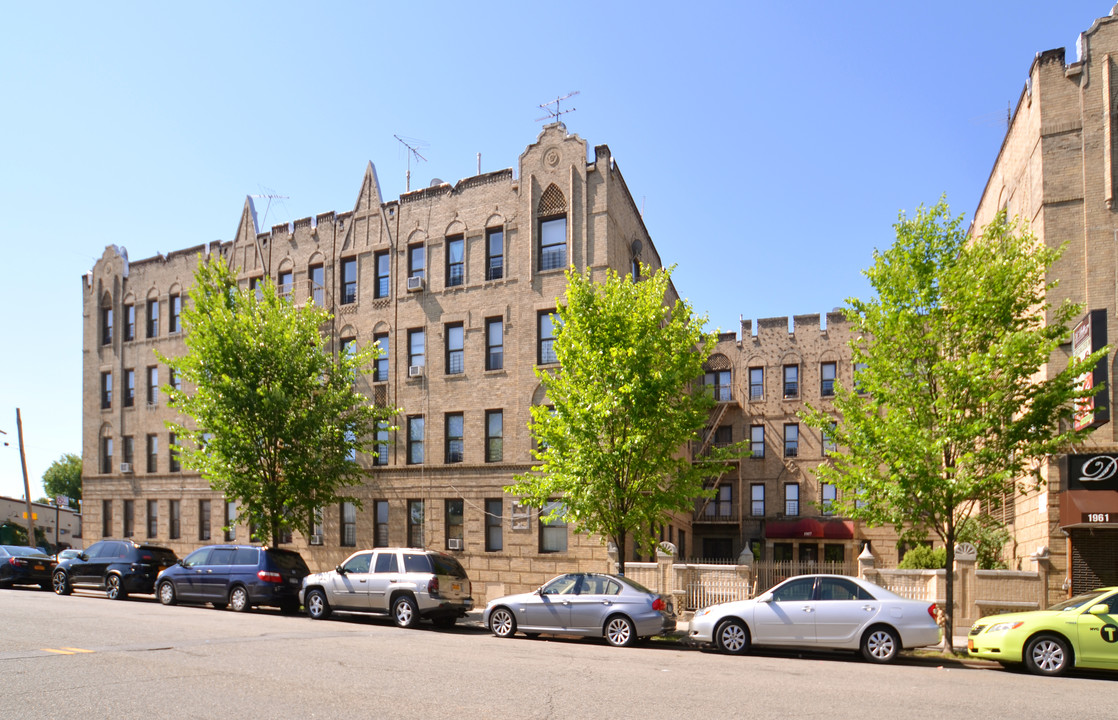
x: 433, y: 587
x: 13, y: 561
x: 658, y: 604
x: 932, y: 611
x: 145, y: 558
x: 269, y: 576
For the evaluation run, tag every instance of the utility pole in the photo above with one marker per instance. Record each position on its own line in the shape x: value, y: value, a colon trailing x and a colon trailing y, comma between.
x: 26, y: 484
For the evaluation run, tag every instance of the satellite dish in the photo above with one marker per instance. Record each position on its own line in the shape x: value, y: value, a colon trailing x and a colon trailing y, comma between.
x: 435, y: 182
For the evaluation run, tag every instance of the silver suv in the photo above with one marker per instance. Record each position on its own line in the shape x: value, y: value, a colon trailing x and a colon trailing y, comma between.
x: 406, y: 583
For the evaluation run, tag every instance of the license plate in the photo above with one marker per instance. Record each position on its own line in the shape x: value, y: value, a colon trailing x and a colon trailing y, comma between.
x: 40, y: 567
x: 456, y: 587
x: 293, y: 581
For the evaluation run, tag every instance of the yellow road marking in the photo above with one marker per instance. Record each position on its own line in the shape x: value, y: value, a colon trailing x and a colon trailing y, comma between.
x: 65, y: 651
x: 77, y: 650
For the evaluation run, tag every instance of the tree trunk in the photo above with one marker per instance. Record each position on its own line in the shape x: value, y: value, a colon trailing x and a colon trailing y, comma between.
x: 949, y: 594
x: 619, y: 541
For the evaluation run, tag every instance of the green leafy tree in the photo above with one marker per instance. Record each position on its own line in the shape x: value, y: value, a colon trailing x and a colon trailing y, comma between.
x: 951, y: 410
x: 924, y: 557
x: 276, y: 420
x: 64, y: 477
x: 623, y: 403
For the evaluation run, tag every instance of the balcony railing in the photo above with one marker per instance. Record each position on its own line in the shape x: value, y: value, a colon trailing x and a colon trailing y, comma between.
x: 716, y: 512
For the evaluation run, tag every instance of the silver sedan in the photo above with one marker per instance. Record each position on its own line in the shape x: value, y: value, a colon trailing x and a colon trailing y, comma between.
x: 820, y: 611
x: 586, y: 604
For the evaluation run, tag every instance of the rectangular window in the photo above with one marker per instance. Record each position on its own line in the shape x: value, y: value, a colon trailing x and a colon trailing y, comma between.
x: 830, y: 494
x: 829, y: 444
x: 757, y: 441
x: 417, y: 261
x: 545, y: 323
x: 858, y: 368
x: 230, y: 520
x: 381, y: 263
x: 106, y: 518
x: 455, y: 262
x: 175, y: 519
x: 756, y: 383
x: 553, y: 243
x: 415, y: 524
x: 153, y: 318
x: 494, y: 253
x: 174, y: 314
x: 106, y: 455
x: 129, y: 387
x: 791, y: 440
x: 174, y: 378
x: 107, y: 326
x: 204, y: 520
x: 494, y: 538
x: 285, y: 284
x: 792, y: 499
x: 494, y: 435
x: 380, y: 523
x: 153, y: 518
x: 494, y: 343
x: 255, y: 286
x: 126, y: 449
x: 153, y: 453
x: 318, y: 525
x: 173, y: 463
x: 719, y: 384
x: 416, y: 348
x: 722, y: 504
x: 380, y: 365
x: 349, y: 281
x: 129, y: 518
x: 129, y: 323
x: 106, y: 390
x: 791, y: 381
x: 455, y: 361
x: 415, y: 440
x: 827, y: 379
x: 349, y: 524
x: 153, y: 385
x: 381, y: 446
x: 316, y: 276
x: 757, y: 500
x: 553, y: 533
x: 834, y: 553
x: 454, y: 443
x: 455, y: 522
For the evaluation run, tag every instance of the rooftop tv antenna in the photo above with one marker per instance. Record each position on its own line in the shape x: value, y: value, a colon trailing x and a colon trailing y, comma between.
x: 554, y: 114
x: 411, y: 151
x: 270, y: 196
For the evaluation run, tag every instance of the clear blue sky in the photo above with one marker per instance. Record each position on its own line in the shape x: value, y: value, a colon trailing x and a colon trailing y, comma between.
x: 770, y: 144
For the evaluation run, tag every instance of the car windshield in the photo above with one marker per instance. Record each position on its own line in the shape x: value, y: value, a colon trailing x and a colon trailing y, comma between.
x: 1078, y: 601
x: 23, y: 551
x: 446, y: 565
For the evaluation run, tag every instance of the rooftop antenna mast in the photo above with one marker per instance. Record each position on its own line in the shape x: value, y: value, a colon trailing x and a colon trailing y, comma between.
x: 270, y: 196
x: 411, y: 151
x: 554, y: 114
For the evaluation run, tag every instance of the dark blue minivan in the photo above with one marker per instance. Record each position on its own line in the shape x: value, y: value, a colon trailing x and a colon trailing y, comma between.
x: 235, y: 576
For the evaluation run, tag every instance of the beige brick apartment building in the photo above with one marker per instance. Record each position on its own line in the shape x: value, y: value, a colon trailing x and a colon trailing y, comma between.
x: 457, y: 283
x: 1056, y: 169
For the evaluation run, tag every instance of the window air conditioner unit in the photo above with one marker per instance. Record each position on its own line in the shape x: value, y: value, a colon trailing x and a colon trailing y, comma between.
x: 415, y: 371
x: 316, y: 539
x: 454, y: 543
x: 126, y: 467
x: 415, y: 283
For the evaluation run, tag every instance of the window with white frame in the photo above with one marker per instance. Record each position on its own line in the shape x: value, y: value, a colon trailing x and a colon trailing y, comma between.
x: 757, y: 441
x: 792, y: 499
x: 757, y: 500
x: 553, y: 533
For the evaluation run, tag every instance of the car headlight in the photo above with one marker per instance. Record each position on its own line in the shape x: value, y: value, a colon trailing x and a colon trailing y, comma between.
x: 701, y: 612
x: 1005, y: 626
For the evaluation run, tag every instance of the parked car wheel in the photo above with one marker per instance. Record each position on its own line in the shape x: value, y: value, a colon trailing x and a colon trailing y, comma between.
x: 502, y: 623
x: 114, y: 589
x: 732, y: 637
x: 620, y: 631
x: 1047, y: 655
x: 317, y: 606
x: 404, y: 612
x: 166, y: 593
x: 238, y: 599
x: 61, y: 583
x: 880, y: 645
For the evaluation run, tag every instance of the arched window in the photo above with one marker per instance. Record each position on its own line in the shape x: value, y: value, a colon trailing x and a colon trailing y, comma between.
x: 552, y: 218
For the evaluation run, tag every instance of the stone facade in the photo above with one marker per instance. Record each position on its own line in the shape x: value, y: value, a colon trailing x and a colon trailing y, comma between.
x: 1056, y: 170
x: 450, y: 278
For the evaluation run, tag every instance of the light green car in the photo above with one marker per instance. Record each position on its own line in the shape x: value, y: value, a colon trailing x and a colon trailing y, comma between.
x: 1081, y: 632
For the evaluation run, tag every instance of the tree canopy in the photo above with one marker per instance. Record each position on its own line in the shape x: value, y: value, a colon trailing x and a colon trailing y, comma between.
x: 64, y: 477
x: 951, y: 410
x: 276, y: 421
x: 622, y: 404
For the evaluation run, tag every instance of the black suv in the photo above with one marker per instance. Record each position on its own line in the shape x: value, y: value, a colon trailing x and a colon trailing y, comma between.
x: 118, y: 567
x: 236, y: 576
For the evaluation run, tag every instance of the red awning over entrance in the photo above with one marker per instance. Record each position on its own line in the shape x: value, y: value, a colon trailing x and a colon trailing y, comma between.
x: 810, y: 528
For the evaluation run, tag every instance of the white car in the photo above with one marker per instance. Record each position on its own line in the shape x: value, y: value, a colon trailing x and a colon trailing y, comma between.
x: 820, y: 611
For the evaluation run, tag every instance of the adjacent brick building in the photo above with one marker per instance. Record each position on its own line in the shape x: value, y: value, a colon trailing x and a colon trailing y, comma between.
x: 1056, y: 169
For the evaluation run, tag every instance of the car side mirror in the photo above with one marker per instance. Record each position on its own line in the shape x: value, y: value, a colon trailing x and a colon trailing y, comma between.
x: 83, y: 556
x: 765, y: 597
x: 1100, y: 609
x: 538, y: 591
x: 339, y: 569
